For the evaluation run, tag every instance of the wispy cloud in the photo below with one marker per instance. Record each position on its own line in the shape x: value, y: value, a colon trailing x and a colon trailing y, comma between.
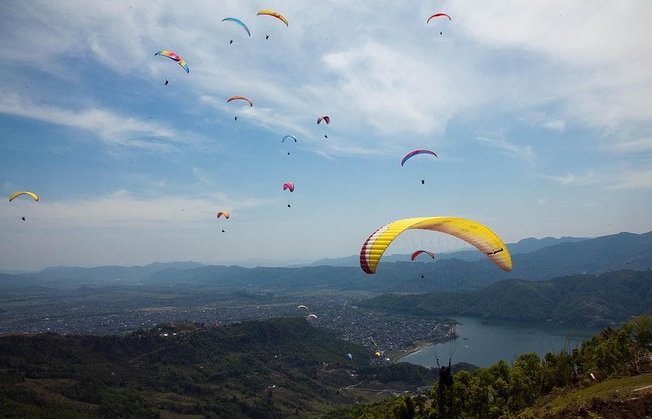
x: 124, y: 209
x: 633, y: 179
x: 614, y: 179
x: 541, y: 119
x: 590, y: 177
x: 639, y: 145
x: 500, y: 143
x: 111, y: 128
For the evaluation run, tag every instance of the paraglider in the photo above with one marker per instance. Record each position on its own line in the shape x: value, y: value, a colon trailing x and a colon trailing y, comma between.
x: 349, y: 356
x: 470, y: 231
x: 224, y: 214
x: 19, y: 193
x: 272, y: 13
x: 173, y: 56
x: 436, y: 15
x: 326, y: 119
x: 419, y: 252
x: 413, y: 153
x: 291, y: 137
x: 246, y: 99
x: 300, y: 306
x: 237, y: 22
x: 288, y: 186
x: 311, y: 317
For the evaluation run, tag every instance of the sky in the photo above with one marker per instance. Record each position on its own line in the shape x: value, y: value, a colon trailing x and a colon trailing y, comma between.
x: 539, y: 112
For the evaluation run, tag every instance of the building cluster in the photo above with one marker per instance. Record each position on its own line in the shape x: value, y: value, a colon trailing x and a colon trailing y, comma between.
x: 378, y: 331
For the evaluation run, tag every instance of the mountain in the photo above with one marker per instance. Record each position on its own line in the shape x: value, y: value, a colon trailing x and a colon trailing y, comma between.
x: 586, y: 300
x: 568, y: 257
x: 273, y: 369
x: 527, y: 245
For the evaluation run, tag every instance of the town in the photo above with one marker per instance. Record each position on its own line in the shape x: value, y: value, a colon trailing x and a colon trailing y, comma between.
x: 92, y: 315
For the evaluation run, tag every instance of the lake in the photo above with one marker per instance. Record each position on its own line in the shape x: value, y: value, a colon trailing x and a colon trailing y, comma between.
x: 484, y: 342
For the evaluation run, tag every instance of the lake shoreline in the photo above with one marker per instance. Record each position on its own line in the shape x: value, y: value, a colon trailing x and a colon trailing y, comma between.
x: 483, y: 343
x: 397, y: 355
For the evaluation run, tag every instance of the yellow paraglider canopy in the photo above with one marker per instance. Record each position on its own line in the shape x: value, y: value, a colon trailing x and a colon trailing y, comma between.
x: 273, y: 13
x: 17, y: 194
x: 470, y: 231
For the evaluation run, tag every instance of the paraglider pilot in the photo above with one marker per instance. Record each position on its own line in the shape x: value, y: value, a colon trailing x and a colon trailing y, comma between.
x: 445, y: 390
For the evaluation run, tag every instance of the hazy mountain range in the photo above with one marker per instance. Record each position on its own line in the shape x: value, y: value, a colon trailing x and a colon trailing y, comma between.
x: 533, y: 259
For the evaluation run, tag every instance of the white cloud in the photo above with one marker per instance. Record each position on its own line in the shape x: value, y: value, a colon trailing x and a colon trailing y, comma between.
x: 598, y: 53
x: 125, y: 209
x: 500, y: 143
x: 555, y: 125
x: 630, y: 179
x: 590, y: 177
x: 378, y: 78
x: 109, y: 127
x: 630, y: 146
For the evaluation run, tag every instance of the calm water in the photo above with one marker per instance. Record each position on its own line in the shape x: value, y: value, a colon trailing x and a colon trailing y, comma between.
x: 483, y: 343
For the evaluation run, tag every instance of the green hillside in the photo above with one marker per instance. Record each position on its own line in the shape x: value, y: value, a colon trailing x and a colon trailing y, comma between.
x: 274, y: 369
x: 609, y: 298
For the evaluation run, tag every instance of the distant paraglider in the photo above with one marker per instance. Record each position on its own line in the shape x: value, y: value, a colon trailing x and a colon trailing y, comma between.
x: 237, y: 22
x: 288, y: 186
x: 420, y: 252
x: 224, y: 214
x: 244, y: 98
x: 311, y: 317
x: 470, y: 231
x: 272, y: 13
x: 173, y: 56
x: 23, y: 193
x: 413, y: 153
x: 416, y: 152
x: 290, y: 137
x: 438, y: 15
x: 303, y: 306
x: 20, y: 193
x: 326, y: 119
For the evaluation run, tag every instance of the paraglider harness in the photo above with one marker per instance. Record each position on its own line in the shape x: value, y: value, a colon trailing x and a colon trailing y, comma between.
x: 445, y: 390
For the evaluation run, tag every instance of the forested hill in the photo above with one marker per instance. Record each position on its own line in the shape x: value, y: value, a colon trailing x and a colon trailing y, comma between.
x: 580, y: 299
x: 273, y: 369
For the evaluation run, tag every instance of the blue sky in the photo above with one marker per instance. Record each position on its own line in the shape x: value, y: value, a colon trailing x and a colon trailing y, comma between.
x: 539, y: 111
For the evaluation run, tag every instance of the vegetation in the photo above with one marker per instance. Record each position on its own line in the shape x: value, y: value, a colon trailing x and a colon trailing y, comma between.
x: 282, y: 367
x: 610, y: 298
x: 530, y: 387
x: 286, y: 368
